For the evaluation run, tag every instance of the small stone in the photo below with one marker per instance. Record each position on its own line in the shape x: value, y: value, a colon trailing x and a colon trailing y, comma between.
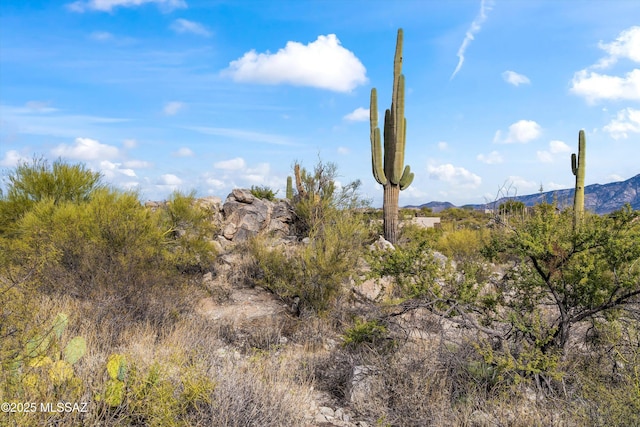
x: 327, y: 412
x: 319, y: 418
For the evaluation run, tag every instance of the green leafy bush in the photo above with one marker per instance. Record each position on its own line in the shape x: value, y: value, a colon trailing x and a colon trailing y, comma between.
x: 263, y: 192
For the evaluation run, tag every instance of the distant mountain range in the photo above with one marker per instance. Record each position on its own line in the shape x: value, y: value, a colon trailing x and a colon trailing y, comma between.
x: 598, y: 198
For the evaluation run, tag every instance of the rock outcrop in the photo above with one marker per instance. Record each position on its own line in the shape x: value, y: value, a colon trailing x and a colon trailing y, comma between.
x: 246, y: 216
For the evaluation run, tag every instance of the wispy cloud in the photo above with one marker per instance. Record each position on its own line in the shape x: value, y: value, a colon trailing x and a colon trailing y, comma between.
x: 476, y: 26
x: 182, y: 26
x: 232, y: 164
x: 515, y: 79
x: 172, y: 108
x: 108, y: 5
x: 323, y: 64
x: 522, y: 131
x: 243, y: 134
x: 183, y: 152
x: 454, y: 175
x: 11, y: 159
x: 626, y: 45
x: 492, y: 158
x: 358, y: 115
x: 555, y: 147
x: 626, y: 121
x: 86, y: 149
x: 595, y: 86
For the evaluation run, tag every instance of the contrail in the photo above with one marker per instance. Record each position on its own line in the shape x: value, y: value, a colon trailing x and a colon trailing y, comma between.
x: 476, y: 26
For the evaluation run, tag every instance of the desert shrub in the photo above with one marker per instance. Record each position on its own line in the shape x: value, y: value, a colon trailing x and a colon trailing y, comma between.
x: 189, y: 228
x: 263, y: 192
x: 315, y: 272
x: 364, y: 332
x: 101, y: 245
x: 413, y: 268
x: 323, y: 199
x: 462, y: 244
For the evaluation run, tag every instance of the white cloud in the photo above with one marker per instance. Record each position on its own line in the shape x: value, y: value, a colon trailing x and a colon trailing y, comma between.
x: 183, y: 152
x: 544, y: 156
x: 615, y: 178
x: 323, y: 63
x: 555, y: 186
x: 109, y: 169
x: 40, y: 106
x: 522, y: 185
x: 626, y: 121
x: 130, y: 143
x: 86, y: 149
x: 454, y: 175
x: 231, y: 164
x: 172, y: 108
x: 593, y: 86
x: 11, y: 159
x: 522, y: 131
x: 627, y: 45
x: 358, y: 115
x: 185, y: 26
x: 514, y: 78
x: 101, y: 36
x: 215, y: 183
x: 491, y: 159
x: 343, y: 150
x: 555, y: 147
x: 109, y: 5
x: 138, y: 164
x: 442, y: 146
x: 476, y: 26
x: 169, y: 180
x: 243, y: 134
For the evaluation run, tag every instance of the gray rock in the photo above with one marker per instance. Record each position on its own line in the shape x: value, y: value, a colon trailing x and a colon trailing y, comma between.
x: 327, y: 412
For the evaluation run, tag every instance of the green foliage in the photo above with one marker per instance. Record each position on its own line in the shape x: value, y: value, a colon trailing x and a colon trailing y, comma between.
x: 462, y: 244
x: 413, y: 268
x: 263, y: 192
x: 30, y: 183
x: 364, y: 332
x: 585, y: 273
x: 190, y: 228
x: 317, y: 271
x: 319, y: 201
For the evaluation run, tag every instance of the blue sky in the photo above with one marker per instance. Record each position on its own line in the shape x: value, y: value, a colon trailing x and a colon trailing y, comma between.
x: 210, y: 95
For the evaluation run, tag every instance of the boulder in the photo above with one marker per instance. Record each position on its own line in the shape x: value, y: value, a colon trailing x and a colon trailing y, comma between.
x: 246, y: 216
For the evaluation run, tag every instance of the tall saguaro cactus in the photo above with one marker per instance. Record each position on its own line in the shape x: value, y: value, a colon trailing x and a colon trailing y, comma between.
x: 388, y: 170
x: 577, y: 168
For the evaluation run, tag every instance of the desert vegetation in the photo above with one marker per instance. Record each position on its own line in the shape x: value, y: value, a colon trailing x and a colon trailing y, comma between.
x: 484, y: 321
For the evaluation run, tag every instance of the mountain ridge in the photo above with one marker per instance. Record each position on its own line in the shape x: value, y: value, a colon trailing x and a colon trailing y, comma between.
x: 598, y: 198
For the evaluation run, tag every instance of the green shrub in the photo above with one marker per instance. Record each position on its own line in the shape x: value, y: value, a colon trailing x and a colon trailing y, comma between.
x: 263, y: 192
x: 315, y: 272
x: 364, y: 332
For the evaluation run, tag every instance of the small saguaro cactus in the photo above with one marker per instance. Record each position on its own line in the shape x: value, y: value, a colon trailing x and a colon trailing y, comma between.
x: 389, y: 171
x: 578, y: 169
x: 289, y: 193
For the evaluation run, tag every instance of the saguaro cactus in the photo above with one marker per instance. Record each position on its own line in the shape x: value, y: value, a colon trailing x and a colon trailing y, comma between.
x: 577, y: 168
x: 289, y: 193
x: 388, y: 171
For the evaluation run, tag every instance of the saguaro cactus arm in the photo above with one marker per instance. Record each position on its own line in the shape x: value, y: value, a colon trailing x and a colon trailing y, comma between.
x: 376, y: 144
